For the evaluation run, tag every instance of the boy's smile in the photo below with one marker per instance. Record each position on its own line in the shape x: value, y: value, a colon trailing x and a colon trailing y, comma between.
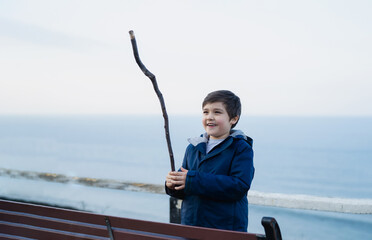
x: 216, y: 120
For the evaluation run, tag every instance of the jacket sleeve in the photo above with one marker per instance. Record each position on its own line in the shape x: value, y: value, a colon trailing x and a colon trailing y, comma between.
x: 222, y: 187
x: 175, y: 193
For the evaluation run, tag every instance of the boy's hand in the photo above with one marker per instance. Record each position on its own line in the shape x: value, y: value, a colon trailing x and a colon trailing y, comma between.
x: 177, y: 180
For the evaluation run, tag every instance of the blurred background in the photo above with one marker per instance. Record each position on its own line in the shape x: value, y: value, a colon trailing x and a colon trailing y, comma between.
x: 74, y: 102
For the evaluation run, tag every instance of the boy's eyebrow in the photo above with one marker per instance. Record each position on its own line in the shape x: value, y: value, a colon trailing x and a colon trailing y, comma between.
x: 221, y: 109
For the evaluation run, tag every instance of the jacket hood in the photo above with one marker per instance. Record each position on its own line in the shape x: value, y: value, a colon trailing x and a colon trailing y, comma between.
x: 234, y: 134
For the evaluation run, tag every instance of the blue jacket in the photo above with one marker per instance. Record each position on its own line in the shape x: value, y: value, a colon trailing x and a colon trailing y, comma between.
x: 217, y: 183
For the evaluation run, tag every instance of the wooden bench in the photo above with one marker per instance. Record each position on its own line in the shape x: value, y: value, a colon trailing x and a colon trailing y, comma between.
x: 31, y: 221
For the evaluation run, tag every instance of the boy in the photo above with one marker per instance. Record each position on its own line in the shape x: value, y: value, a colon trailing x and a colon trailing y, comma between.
x: 217, y: 169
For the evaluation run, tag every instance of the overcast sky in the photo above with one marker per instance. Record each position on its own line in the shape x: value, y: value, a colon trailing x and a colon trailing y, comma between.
x: 281, y: 57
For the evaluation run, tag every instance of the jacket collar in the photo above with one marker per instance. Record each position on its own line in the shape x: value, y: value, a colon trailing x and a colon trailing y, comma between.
x: 197, y: 140
x: 201, y: 141
x: 234, y: 133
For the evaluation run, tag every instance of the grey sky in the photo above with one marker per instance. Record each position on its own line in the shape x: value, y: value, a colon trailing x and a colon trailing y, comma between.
x: 280, y: 57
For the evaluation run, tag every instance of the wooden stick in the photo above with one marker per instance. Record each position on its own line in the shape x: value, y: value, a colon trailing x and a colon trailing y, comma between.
x: 158, y: 93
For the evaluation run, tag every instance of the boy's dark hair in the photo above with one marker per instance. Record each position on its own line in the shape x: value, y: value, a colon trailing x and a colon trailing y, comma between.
x: 229, y: 99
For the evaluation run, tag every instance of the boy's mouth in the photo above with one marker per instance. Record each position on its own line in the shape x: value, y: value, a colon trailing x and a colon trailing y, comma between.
x: 211, y: 124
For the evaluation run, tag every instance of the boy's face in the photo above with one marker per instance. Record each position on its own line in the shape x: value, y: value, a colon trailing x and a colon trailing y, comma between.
x: 216, y: 120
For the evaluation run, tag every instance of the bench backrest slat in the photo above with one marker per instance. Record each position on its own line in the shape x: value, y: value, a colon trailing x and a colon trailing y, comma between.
x: 53, y: 223
x: 30, y: 220
x: 42, y: 233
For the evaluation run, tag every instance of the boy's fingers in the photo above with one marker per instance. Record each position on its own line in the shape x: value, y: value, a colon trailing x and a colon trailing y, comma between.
x: 177, y: 182
x: 178, y: 178
x: 169, y: 178
x: 179, y: 187
x: 179, y: 174
x: 184, y: 171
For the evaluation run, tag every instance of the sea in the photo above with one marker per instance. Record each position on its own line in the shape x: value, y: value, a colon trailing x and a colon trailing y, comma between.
x: 317, y: 156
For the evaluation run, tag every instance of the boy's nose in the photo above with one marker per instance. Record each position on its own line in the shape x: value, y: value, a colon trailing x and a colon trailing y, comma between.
x: 210, y: 116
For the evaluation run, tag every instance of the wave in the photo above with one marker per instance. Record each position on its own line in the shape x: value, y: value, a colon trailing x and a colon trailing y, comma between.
x: 296, y: 201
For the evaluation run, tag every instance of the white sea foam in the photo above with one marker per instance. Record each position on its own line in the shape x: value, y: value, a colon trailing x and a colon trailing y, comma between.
x: 300, y: 201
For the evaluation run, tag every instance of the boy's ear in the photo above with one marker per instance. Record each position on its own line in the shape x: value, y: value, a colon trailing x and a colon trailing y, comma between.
x: 234, y: 120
